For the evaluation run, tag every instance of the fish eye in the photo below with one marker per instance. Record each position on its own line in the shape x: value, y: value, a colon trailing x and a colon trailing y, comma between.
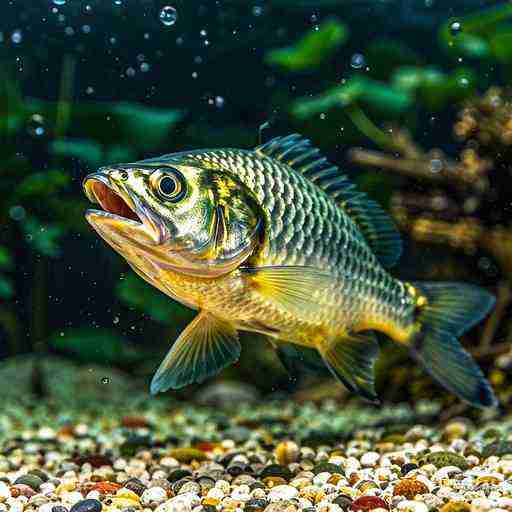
x: 169, y: 184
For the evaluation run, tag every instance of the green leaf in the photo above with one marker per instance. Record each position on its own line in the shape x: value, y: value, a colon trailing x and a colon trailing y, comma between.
x: 144, y: 126
x: 5, y: 258
x: 6, y: 288
x: 44, y: 237
x: 312, y: 50
x: 42, y: 183
x: 140, y: 295
x: 434, y: 88
x: 358, y: 90
x: 476, y: 30
x: 94, y: 346
x: 86, y: 150
x: 501, y: 46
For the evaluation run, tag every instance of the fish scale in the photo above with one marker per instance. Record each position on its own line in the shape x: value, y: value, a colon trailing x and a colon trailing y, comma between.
x: 322, y: 235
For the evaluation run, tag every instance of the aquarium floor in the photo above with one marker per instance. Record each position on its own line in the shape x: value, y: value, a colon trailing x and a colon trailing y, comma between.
x: 143, y: 453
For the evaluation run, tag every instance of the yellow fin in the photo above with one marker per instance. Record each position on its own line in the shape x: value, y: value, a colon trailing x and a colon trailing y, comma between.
x: 204, y: 348
x: 293, y: 287
x: 351, y: 360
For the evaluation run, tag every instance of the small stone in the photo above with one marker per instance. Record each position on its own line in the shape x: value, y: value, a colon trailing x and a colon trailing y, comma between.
x: 187, y: 455
x: 5, y: 492
x: 441, y: 459
x: 412, y: 506
x: 87, y: 506
x: 370, y: 459
x: 255, y: 505
x: 345, y: 502
x: 33, y: 481
x: 282, y: 493
x: 327, y: 467
x: 365, y: 503
x: 276, y: 470
x: 409, y: 488
x: 135, y: 485
x: 406, y: 468
x: 287, y: 452
x: 153, y: 495
x: 456, y: 506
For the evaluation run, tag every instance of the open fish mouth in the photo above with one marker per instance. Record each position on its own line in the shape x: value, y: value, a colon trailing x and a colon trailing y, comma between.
x: 120, y: 211
x: 99, y: 190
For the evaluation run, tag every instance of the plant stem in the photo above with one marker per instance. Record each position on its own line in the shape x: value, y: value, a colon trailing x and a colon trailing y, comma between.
x: 369, y: 128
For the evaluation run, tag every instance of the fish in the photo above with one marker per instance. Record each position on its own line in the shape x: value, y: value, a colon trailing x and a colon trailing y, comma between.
x: 276, y: 240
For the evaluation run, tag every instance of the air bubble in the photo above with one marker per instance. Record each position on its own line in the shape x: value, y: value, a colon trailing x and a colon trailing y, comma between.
x: 36, y: 125
x: 17, y: 212
x: 17, y: 37
x: 59, y: 2
x: 357, y: 61
x: 219, y: 101
x: 130, y: 72
x: 455, y: 28
x: 105, y: 380
x: 436, y: 165
x: 257, y: 10
x: 144, y: 67
x: 168, y: 15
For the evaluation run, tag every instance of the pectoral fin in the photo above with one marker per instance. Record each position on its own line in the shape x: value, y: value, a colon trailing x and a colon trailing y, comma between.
x: 204, y: 348
x: 352, y: 360
x: 293, y: 287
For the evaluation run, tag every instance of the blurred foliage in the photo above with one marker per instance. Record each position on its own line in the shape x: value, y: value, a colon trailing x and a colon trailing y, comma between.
x: 312, y: 50
x: 100, y: 346
x: 137, y: 293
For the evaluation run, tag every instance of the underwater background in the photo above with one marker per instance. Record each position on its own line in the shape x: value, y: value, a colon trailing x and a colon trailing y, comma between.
x: 411, y: 98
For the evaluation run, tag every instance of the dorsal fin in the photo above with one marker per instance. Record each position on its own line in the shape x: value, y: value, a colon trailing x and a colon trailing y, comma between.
x: 377, y: 227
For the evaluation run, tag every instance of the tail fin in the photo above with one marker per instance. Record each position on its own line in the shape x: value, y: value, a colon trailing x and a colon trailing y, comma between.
x: 452, y: 309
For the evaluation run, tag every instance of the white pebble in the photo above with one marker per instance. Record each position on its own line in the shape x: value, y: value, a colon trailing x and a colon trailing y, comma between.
x: 241, y: 493
x: 321, y: 478
x: 5, y: 492
x: 282, y: 493
x: 370, y: 459
x: 153, y: 495
x: 412, y: 506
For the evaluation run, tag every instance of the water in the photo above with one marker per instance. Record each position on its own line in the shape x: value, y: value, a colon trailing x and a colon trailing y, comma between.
x: 408, y: 98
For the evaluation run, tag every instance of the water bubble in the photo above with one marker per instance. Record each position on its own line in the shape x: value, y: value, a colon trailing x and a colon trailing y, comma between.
x: 257, y: 10
x: 144, y: 67
x: 357, y: 61
x: 35, y: 125
x: 112, y: 40
x: 105, y: 380
x: 323, y: 116
x: 17, y: 37
x: 59, y: 2
x: 168, y: 15
x: 219, y: 101
x: 86, y: 29
x: 69, y: 31
x: 463, y: 82
x: 130, y: 72
x: 436, y: 165
x: 118, y: 2
x: 429, y: 3
x: 195, y: 74
x: 115, y: 320
x: 89, y: 90
x: 455, y: 28
x: 17, y: 212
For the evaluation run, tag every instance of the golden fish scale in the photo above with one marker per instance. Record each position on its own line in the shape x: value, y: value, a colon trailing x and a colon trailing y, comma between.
x: 307, y: 228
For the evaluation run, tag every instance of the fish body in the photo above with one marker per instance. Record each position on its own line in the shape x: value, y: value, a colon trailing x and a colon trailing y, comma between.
x: 276, y: 240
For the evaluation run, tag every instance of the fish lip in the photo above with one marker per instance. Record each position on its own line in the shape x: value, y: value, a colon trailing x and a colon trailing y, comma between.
x: 146, y: 220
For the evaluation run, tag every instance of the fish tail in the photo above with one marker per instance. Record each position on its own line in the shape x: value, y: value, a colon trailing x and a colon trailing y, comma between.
x: 445, y: 311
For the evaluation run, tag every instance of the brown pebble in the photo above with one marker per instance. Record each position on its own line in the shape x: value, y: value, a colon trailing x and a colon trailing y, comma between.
x: 410, y: 487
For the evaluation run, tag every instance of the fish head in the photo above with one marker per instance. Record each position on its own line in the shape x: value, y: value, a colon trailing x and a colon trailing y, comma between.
x: 179, y: 215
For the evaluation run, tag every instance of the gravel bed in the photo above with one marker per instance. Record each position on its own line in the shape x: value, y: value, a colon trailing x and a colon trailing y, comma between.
x: 278, y: 456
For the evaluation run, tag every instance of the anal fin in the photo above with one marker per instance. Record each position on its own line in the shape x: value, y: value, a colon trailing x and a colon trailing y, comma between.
x: 351, y: 360
x: 206, y: 346
x: 299, y: 360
